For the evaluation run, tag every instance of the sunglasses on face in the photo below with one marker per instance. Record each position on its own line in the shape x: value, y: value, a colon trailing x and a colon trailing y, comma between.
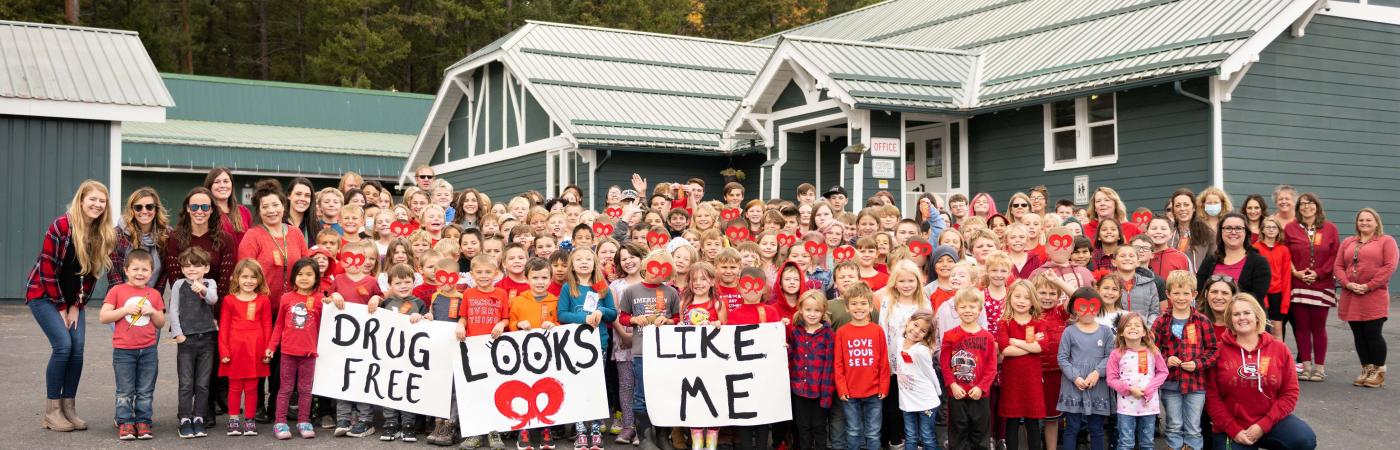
x: 143, y: 206
x: 425, y: 177
x: 200, y: 207
x: 1020, y: 205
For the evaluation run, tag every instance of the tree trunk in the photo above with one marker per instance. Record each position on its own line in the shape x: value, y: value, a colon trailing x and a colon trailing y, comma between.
x: 187, y: 40
x: 264, y: 63
x: 71, y: 11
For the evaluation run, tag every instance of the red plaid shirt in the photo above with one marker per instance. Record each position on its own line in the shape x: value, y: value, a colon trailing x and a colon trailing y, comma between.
x: 811, y: 363
x: 1197, y: 343
x: 43, y: 279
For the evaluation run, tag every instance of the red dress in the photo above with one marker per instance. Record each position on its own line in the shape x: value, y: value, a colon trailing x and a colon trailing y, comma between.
x: 244, y: 329
x: 1022, y: 394
x: 1054, y: 322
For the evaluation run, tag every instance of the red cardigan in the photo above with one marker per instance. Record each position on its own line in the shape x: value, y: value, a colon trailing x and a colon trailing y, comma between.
x: 1281, y: 276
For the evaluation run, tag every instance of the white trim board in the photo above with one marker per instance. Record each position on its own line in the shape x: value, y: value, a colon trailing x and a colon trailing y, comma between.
x: 1369, y: 13
x: 82, y: 111
x: 550, y: 144
x: 114, y: 165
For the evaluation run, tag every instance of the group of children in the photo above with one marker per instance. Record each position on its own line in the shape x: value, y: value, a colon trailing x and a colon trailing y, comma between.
x: 892, y: 321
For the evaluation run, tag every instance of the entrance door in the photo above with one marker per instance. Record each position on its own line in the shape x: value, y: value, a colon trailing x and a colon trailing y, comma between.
x: 926, y: 161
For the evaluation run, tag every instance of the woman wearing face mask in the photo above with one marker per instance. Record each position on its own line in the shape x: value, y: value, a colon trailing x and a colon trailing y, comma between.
x: 1236, y: 259
x: 1312, y: 241
x: 1251, y: 391
x: 1214, y: 203
x: 1191, y: 236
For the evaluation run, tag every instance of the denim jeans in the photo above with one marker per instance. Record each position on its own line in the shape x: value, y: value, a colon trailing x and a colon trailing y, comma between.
x: 639, y: 395
x: 863, y: 423
x: 1291, y: 433
x: 66, y: 359
x: 194, y: 361
x: 919, y: 429
x: 1075, y: 422
x: 1136, y: 432
x: 136, y: 383
x: 1183, y: 418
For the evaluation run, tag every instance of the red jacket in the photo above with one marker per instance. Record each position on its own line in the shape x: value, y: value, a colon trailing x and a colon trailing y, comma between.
x: 1248, y: 387
x: 297, y: 330
x: 862, y: 362
x: 969, y: 359
x: 1165, y: 261
x: 1281, y: 268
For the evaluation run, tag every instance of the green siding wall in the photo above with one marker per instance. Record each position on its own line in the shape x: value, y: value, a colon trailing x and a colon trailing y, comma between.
x: 882, y: 125
x: 505, y: 179
x: 537, y: 123
x: 618, y: 170
x: 801, y: 166
x: 1163, y: 144
x: 496, y: 104
x: 831, y: 161
x: 286, y: 104
x: 458, y: 133
x: 1322, y: 113
x: 791, y: 97
x: 45, y: 160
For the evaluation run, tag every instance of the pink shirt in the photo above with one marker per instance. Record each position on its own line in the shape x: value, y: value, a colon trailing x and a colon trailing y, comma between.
x: 1371, y: 264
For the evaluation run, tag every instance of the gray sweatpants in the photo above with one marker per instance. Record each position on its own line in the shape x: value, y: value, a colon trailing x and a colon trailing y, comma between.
x: 362, y: 411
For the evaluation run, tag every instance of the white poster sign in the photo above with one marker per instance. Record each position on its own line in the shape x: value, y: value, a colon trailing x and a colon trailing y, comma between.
x: 383, y: 360
x: 884, y: 147
x: 1081, y: 189
x: 882, y: 168
x: 702, y: 376
x: 531, y: 379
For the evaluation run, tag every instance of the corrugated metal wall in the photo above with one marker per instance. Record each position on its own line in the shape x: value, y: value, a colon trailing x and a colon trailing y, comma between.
x: 43, y: 161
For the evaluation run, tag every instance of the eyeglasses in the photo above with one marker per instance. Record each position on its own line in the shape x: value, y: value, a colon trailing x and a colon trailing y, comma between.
x: 1020, y: 205
x: 1143, y: 249
x: 145, y: 206
x: 1233, y: 229
x: 204, y: 207
x: 425, y: 177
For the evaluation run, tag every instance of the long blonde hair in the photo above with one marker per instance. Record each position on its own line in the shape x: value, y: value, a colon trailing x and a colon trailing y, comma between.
x: 160, y: 227
x: 93, y: 239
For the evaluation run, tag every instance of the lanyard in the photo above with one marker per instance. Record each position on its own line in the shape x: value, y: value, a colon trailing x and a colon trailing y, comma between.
x: 279, y: 257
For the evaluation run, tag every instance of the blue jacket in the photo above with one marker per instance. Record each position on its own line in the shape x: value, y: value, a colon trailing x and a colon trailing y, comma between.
x: 571, y: 309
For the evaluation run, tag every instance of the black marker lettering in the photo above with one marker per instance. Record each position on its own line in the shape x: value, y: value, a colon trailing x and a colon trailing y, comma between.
x: 707, y: 342
x: 345, y: 384
x: 394, y: 384
x: 370, y: 342
x: 685, y: 353
x: 561, y: 358
x: 511, y: 363
x: 535, y: 353
x: 412, y: 387
x: 418, y: 356
x: 740, y: 343
x: 593, y: 352
x: 467, y: 365
x: 345, y: 341
x: 389, y: 344
x: 690, y: 390
x: 373, y: 378
x: 656, y: 333
x: 735, y: 395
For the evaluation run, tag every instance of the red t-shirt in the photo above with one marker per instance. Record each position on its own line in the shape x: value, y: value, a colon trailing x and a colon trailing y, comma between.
x: 731, y: 296
x: 877, y: 281
x: 701, y: 313
x: 512, y: 287
x: 554, y: 288
x: 939, y: 296
x: 298, y: 324
x: 134, y: 331
x: 483, y: 310
x: 356, y: 291
x: 747, y: 314
x: 969, y: 359
x: 862, y: 364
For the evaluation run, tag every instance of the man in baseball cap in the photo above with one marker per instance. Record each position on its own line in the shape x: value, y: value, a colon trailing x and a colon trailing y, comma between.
x: 836, y: 195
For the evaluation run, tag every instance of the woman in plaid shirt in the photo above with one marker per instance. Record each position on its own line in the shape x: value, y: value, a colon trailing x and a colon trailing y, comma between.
x: 811, y: 351
x: 1188, y: 342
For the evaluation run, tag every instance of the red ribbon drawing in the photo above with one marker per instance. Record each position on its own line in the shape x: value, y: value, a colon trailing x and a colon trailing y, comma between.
x: 509, y: 391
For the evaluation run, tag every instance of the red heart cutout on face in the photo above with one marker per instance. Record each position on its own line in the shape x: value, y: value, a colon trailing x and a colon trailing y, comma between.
x: 657, y: 238
x: 659, y: 270
x: 750, y: 284
x: 786, y: 240
x: 817, y: 249
x: 729, y: 214
x: 445, y: 277
x: 602, y: 229
x: 1059, y: 241
x: 1086, y: 306
x: 352, y: 259
x: 1142, y: 218
x: 920, y: 248
x: 508, y: 392
x: 400, y: 229
x: 843, y: 253
x: 737, y: 233
x: 613, y: 212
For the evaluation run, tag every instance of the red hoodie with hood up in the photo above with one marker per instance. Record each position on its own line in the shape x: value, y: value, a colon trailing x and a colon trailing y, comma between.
x: 1248, y: 387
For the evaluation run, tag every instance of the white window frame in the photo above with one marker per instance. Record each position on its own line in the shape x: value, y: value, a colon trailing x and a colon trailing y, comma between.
x: 1083, y: 148
x: 1364, y: 10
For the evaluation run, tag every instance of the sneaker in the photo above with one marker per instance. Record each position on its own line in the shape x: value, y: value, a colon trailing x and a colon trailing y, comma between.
x: 1298, y: 367
x: 627, y: 436
x: 616, y: 423
x: 342, y: 426
x: 235, y: 427
x: 493, y: 440
x: 470, y: 442
x: 391, y: 432
x: 126, y: 432
x: 408, y: 435
x: 281, y: 431
x: 327, y: 422
x: 597, y: 442
x: 250, y: 428
x: 307, y: 430
x: 581, y: 442
x: 546, y: 441
x: 523, y: 442
x: 361, y: 429
x: 143, y: 431
x: 200, y: 429
x: 262, y: 417
x: 186, y: 428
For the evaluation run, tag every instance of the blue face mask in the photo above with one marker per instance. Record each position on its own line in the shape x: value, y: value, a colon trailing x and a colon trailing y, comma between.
x: 1212, y: 210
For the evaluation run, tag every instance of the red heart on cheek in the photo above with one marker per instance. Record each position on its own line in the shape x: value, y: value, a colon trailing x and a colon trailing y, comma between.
x: 729, y: 214
x: 602, y: 229
x: 445, y: 277
x: 613, y: 212
x: 737, y: 233
x: 920, y: 248
x: 786, y: 240
x: 659, y: 270
x: 817, y: 249
x: 750, y: 284
x: 657, y: 238
x: 1142, y: 218
x: 400, y: 229
x: 1059, y: 241
x: 508, y: 392
x: 843, y: 253
x: 1086, y: 306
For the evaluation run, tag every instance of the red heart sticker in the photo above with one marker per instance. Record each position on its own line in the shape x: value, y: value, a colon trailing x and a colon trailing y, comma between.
x: 786, y: 240
x: 401, y: 229
x: 817, y: 249
x: 729, y: 214
x: 750, y: 284
x: 843, y: 253
x: 1059, y: 241
x: 737, y: 233
x: 659, y: 270
x: 657, y: 238
x: 551, y: 390
x: 1086, y: 306
x: 613, y: 212
x: 445, y: 277
x: 1142, y: 218
x: 907, y: 359
x: 920, y: 248
x: 352, y: 259
x: 602, y: 229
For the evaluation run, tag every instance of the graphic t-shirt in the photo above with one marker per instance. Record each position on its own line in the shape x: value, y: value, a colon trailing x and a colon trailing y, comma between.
x: 483, y: 310
x: 731, y: 296
x: 133, y: 331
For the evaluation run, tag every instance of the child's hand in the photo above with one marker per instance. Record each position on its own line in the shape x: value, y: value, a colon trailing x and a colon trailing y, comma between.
x: 338, y: 301
x: 787, y: 321
x: 267, y: 355
x: 1039, y: 337
x: 196, y: 287
x: 376, y: 298
x: 547, y: 325
x: 498, y: 329
x: 428, y: 316
x: 1079, y: 383
x: 659, y: 320
x: 524, y: 324
x: 180, y: 339
x: 1173, y: 361
x: 461, y: 333
x: 594, y: 318
x: 373, y: 305
x: 1136, y: 392
x: 224, y: 360
x: 975, y: 393
x: 882, y: 396
x: 414, y: 318
x: 1189, y: 366
x: 845, y: 398
x: 147, y: 309
x: 958, y: 392
x: 1092, y: 380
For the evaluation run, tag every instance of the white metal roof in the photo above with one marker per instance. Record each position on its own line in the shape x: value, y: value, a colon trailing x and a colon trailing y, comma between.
x: 75, y: 64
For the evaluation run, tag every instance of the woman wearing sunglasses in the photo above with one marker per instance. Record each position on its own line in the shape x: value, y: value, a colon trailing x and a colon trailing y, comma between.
x: 143, y: 225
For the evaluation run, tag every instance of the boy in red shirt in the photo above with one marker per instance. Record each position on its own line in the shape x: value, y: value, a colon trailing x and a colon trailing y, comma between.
x: 969, y: 361
x: 484, y: 310
x: 139, y: 313
x: 867, y: 252
x: 514, y: 283
x: 727, y: 267
x: 862, y: 369
x: 355, y: 419
x: 427, y: 268
x: 753, y: 310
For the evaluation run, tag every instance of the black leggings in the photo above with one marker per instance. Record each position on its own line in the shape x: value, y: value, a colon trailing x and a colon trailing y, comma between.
x: 1370, y: 345
x: 1033, y: 433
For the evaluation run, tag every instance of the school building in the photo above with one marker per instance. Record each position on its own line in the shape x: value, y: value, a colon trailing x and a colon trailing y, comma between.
x: 915, y: 96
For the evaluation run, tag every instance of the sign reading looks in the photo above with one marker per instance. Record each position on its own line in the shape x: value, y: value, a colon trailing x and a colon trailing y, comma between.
x: 703, y: 376
x: 383, y: 360
x: 531, y: 379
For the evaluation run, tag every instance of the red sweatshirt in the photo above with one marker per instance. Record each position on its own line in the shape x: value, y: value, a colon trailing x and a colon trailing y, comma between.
x: 1248, y: 387
x: 1281, y: 272
x: 970, y: 359
x: 862, y: 368
x: 747, y: 314
x: 298, y: 325
x: 730, y: 295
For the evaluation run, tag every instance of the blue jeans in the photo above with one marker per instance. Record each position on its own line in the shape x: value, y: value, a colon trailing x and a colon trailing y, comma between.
x: 1075, y: 422
x: 863, y: 423
x: 836, y: 425
x: 918, y: 429
x: 639, y: 395
x: 1183, y: 418
x: 66, y: 360
x: 136, y: 383
x: 1291, y: 433
x: 1136, y: 432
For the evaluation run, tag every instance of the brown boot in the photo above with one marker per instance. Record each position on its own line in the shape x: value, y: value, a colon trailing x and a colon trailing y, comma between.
x: 1361, y: 377
x: 677, y: 438
x: 1377, y: 378
x: 69, y: 407
x: 53, y: 417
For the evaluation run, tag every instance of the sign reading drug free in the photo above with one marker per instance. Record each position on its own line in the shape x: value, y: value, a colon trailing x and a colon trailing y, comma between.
x: 705, y: 376
x: 383, y: 360
x: 530, y: 379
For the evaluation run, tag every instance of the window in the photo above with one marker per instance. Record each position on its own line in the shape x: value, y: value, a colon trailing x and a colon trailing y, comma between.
x: 1081, y: 132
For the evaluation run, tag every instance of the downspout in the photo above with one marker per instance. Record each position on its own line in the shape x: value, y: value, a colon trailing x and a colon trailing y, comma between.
x: 1184, y: 93
x: 1217, y: 154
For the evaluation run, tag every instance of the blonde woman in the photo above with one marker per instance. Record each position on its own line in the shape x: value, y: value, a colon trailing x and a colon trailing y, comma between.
x: 1212, y: 204
x: 144, y: 225
x: 1107, y: 204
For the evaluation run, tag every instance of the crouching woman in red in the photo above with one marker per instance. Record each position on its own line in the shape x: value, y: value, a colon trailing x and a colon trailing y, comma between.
x: 1252, y: 390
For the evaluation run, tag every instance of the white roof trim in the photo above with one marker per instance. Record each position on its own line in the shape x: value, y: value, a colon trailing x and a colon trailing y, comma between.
x: 1369, y: 13
x: 1249, y: 52
x: 80, y: 110
x: 780, y: 57
x: 554, y: 143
